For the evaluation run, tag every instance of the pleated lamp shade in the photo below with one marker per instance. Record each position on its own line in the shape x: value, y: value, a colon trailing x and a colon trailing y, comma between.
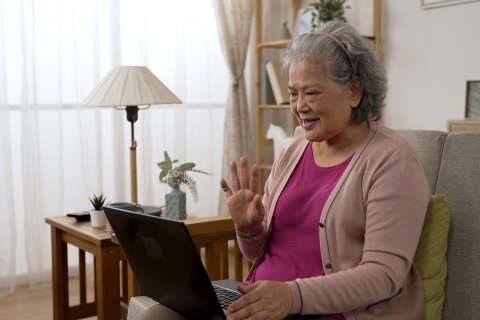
x: 130, y: 86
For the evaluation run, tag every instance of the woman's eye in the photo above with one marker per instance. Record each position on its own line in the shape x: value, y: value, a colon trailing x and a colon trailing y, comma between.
x: 292, y: 94
x: 310, y: 93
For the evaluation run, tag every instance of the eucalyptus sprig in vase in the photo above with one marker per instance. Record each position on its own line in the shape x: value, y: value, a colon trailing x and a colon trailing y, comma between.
x: 175, y: 201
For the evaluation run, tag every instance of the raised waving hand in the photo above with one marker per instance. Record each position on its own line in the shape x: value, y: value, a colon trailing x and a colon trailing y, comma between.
x: 244, y: 203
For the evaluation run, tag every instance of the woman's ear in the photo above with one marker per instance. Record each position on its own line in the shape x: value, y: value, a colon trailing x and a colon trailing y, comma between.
x: 356, y: 91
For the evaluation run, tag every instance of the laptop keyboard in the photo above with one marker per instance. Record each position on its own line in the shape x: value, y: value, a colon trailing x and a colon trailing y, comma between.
x: 225, y: 296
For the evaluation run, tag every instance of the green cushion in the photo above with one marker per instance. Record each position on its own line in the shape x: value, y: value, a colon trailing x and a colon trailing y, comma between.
x: 430, y: 257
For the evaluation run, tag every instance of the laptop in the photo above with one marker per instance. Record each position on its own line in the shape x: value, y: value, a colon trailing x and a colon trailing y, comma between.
x: 167, y: 266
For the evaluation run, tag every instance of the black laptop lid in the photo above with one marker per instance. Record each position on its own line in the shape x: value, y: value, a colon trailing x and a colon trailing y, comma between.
x: 165, y: 263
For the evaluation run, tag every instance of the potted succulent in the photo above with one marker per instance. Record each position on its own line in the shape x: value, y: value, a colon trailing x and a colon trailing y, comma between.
x: 175, y: 201
x: 96, y: 214
x: 326, y: 10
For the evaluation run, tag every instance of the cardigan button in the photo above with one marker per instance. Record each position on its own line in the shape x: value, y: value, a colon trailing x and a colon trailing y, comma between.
x: 329, y: 266
x: 321, y: 225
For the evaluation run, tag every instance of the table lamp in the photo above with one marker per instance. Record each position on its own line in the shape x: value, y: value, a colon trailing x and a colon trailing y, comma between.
x: 130, y: 87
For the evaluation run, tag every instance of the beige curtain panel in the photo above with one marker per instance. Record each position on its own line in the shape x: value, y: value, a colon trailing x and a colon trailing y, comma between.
x: 234, y: 20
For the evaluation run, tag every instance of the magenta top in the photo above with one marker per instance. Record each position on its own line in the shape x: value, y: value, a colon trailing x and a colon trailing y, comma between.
x: 294, y: 247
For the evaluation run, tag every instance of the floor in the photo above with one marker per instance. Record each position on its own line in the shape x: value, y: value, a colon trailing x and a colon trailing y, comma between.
x: 28, y: 304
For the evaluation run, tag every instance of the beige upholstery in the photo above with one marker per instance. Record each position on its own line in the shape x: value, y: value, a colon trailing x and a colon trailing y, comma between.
x: 459, y: 180
x: 429, y: 146
x: 139, y: 305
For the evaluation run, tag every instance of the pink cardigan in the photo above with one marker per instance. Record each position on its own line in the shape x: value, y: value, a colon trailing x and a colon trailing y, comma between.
x: 368, y: 231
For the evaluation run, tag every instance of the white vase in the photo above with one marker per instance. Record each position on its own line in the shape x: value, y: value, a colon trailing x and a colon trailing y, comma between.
x: 98, y: 217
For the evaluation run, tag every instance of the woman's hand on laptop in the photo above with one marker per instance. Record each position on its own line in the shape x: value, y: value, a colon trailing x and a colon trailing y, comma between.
x: 262, y: 300
x: 244, y: 203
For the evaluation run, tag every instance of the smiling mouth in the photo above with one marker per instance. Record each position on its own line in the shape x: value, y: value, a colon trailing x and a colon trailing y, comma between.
x: 307, y: 123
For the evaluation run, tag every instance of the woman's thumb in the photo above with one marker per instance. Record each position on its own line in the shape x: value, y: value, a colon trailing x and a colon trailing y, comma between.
x: 246, y: 289
x: 258, y: 206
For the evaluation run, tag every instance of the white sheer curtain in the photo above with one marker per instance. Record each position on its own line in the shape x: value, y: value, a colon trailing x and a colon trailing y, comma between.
x: 54, y: 153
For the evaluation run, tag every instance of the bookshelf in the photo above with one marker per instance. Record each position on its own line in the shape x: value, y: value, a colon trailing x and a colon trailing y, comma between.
x: 260, y: 140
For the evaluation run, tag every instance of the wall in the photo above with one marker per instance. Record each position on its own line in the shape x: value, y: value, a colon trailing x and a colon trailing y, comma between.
x: 429, y: 55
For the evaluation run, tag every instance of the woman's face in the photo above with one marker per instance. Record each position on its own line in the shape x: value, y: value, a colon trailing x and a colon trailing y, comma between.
x: 323, y: 108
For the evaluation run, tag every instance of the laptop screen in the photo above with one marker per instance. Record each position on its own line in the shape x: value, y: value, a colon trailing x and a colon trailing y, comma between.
x: 165, y: 263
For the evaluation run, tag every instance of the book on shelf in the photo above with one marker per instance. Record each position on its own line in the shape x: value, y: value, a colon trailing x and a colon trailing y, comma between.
x: 278, y: 82
x: 266, y: 93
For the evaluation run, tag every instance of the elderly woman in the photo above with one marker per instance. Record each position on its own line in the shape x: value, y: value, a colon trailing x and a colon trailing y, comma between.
x: 338, y: 226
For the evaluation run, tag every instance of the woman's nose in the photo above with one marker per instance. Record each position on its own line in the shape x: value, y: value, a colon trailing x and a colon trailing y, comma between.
x: 302, y: 105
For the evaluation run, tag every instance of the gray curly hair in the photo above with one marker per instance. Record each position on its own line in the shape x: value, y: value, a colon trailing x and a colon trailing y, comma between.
x: 319, y: 49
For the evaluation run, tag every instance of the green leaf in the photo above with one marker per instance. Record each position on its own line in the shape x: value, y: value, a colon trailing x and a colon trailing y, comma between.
x: 184, y: 167
x: 164, y: 166
x: 163, y: 174
x: 98, y: 201
x: 174, y: 161
x: 167, y: 160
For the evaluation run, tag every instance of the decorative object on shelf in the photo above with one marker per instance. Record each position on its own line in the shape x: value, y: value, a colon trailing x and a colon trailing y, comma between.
x: 266, y: 93
x: 326, y: 10
x: 279, y: 82
x: 430, y: 4
x: 130, y: 87
x: 96, y: 214
x: 284, y: 33
x: 280, y: 139
x: 472, y: 105
x: 175, y: 201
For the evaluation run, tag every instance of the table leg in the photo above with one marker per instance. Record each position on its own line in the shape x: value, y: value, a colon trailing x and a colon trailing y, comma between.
x: 82, y: 275
x: 212, y: 259
x: 108, y: 282
x: 59, y: 275
x: 239, y: 276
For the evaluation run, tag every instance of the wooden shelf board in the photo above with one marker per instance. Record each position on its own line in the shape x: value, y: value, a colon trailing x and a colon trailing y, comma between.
x: 274, y: 106
x: 279, y: 44
x: 268, y: 142
x: 265, y: 167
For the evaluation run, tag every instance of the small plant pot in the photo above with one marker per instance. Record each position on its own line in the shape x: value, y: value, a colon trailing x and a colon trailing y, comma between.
x: 98, y: 217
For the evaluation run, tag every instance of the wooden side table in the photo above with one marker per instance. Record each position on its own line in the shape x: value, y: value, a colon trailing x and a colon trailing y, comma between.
x: 98, y: 242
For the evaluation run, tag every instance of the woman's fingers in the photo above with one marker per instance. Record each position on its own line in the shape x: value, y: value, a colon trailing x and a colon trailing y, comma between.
x: 226, y: 189
x: 233, y: 173
x: 262, y: 300
x: 244, y: 173
x: 246, y: 300
x: 247, y: 311
x: 254, y: 184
